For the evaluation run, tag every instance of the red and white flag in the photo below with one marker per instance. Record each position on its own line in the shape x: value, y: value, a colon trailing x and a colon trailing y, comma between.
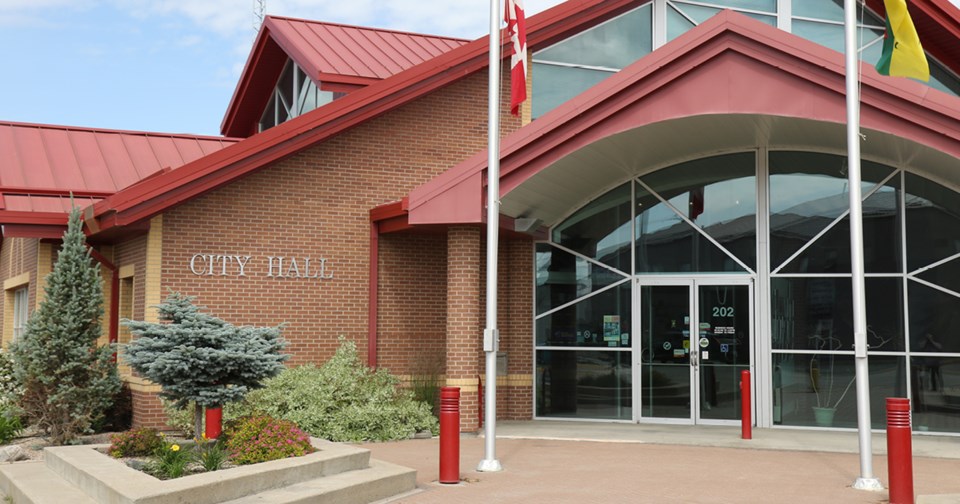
x: 517, y: 29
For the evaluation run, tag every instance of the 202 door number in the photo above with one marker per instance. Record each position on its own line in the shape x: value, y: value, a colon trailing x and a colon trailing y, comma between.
x: 722, y: 311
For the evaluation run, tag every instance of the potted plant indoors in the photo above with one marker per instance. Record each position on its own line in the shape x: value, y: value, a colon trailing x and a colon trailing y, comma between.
x: 822, y: 381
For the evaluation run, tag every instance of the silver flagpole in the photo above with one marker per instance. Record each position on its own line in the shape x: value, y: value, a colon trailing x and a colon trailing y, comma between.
x: 866, y: 481
x: 491, y: 337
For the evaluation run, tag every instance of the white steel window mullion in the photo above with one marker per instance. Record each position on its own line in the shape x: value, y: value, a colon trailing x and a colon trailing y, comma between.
x: 762, y: 335
x: 905, y: 282
x: 589, y: 259
x: 581, y: 298
x: 636, y: 377
x: 784, y: 13
x: 659, y: 23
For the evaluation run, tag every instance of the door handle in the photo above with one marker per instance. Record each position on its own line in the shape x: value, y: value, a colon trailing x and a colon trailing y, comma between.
x: 694, y: 359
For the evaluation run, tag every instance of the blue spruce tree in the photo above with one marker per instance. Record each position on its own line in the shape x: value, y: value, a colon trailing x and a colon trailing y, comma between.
x: 197, y: 357
x: 68, y: 380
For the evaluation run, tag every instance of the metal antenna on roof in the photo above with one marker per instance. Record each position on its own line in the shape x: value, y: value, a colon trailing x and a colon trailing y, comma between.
x: 259, y: 7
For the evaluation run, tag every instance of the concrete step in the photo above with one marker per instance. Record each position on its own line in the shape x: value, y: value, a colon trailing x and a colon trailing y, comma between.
x: 109, y: 480
x: 79, y: 475
x: 376, y: 483
x: 34, y: 483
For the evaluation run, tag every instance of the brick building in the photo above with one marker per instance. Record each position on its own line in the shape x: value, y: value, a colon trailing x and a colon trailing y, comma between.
x: 676, y: 176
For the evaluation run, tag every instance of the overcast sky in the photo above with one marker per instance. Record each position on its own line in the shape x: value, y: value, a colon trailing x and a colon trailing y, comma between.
x: 170, y: 65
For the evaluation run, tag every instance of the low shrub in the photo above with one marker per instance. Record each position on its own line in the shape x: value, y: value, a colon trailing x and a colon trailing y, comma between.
x: 10, y: 388
x: 344, y: 400
x: 255, y: 439
x: 10, y: 426
x: 135, y: 443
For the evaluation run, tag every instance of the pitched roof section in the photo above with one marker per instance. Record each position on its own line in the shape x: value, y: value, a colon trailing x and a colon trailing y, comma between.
x: 41, y: 165
x: 164, y: 191
x: 339, y: 57
x: 730, y: 64
x: 151, y: 197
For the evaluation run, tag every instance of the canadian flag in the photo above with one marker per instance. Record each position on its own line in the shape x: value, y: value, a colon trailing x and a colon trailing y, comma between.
x: 517, y: 29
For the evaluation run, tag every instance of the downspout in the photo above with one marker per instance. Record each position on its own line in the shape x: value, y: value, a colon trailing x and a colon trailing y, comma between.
x: 372, y: 308
x: 114, y: 293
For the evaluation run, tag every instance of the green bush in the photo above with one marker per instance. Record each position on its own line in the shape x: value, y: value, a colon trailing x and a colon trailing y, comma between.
x: 135, y: 443
x: 10, y: 426
x: 255, y: 439
x: 343, y: 401
x: 10, y: 389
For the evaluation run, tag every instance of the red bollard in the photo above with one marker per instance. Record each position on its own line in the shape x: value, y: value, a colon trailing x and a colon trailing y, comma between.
x: 450, y: 435
x: 746, y: 419
x: 899, y: 451
x: 213, y: 424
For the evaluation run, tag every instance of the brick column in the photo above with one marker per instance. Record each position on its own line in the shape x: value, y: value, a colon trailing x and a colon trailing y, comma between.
x: 465, y: 315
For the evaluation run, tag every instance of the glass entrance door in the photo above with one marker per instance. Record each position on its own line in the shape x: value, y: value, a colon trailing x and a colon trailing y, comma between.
x: 695, y: 338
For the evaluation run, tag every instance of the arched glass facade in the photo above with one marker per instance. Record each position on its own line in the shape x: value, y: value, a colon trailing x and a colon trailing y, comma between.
x: 721, y: 228
x: 573, y: 65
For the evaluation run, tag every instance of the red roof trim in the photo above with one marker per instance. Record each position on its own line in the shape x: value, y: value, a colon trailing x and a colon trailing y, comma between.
x: 387, y: 211
x: 932, y: 116
x: 148, y: 198
x: 33, y: 231
x: 8, y: 217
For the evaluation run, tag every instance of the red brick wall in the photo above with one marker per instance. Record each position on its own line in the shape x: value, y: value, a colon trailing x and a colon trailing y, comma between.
x: 465, y: 316
x: 18, y: 256
x: 134, y: 251
x: 412, y: 309
x: 315, y: 204
x: 148, y: 411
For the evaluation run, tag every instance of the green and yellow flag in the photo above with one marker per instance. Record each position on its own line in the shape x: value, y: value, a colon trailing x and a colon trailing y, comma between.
x: 903, y: 55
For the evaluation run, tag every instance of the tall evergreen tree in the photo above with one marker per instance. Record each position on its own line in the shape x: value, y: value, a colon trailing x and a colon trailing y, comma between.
x: 68, y: 380
x: 197, y: 357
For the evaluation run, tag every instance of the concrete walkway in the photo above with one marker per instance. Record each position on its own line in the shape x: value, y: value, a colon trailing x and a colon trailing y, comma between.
x: 583, y: 462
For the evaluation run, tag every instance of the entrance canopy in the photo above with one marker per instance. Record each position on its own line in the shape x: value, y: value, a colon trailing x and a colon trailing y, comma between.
x: 730, y: 83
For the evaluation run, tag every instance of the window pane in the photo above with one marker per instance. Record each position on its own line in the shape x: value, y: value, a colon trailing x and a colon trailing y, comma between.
x: 935, y: 393
x: 600, y: 230
x: 667, y: 244
x: 563, y: 277
x: 804, y: 384
x: 700, y: 13
x: 584, y: 384
x: 943, y: 80
x: 269, y: 117
x: 614, y: 44
x: 830, y: 253
x: 807, y: 192
x: 816, y: 313
x: 719, y: 195
x: 831, y: 10
x: 933, y: 222
x: 602, y: 320
x: 677, y: 24
x: 758, y: 5
x: 934, y: 320
x: 946, y: 275
x: 553, y: 85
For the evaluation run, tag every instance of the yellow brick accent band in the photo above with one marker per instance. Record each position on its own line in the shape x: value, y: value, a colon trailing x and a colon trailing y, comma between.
x: 128, y: 271
x: 141, y: 384
x: 44, y: 268
x: 152, y: 275
x: 17, y: 281
x: 520, y: 380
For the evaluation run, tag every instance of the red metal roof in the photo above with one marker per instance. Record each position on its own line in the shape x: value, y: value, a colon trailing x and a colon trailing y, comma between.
x: 56, y: 160
x: 332, y: 50
x: 338, y: 57
x: 153, y: 196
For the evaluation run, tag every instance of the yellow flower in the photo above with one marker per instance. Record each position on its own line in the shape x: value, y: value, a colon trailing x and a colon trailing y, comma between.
x: 175, y: 447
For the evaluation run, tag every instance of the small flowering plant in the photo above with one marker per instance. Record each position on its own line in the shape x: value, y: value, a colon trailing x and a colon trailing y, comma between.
x: 134, y: 443
x: 171, y: 461
x: 255, y: 439
x: 211, y: 454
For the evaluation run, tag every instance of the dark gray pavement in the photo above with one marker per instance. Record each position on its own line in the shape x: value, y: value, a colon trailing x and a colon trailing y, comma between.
x: 586, y: 462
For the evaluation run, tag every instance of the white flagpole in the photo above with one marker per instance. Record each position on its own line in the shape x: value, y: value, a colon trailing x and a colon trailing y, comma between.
x: 491, y: 336
x: 866, y: 481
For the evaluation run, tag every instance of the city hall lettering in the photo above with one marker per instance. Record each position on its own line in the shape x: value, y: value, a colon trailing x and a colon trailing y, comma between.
x: 269, y: 266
